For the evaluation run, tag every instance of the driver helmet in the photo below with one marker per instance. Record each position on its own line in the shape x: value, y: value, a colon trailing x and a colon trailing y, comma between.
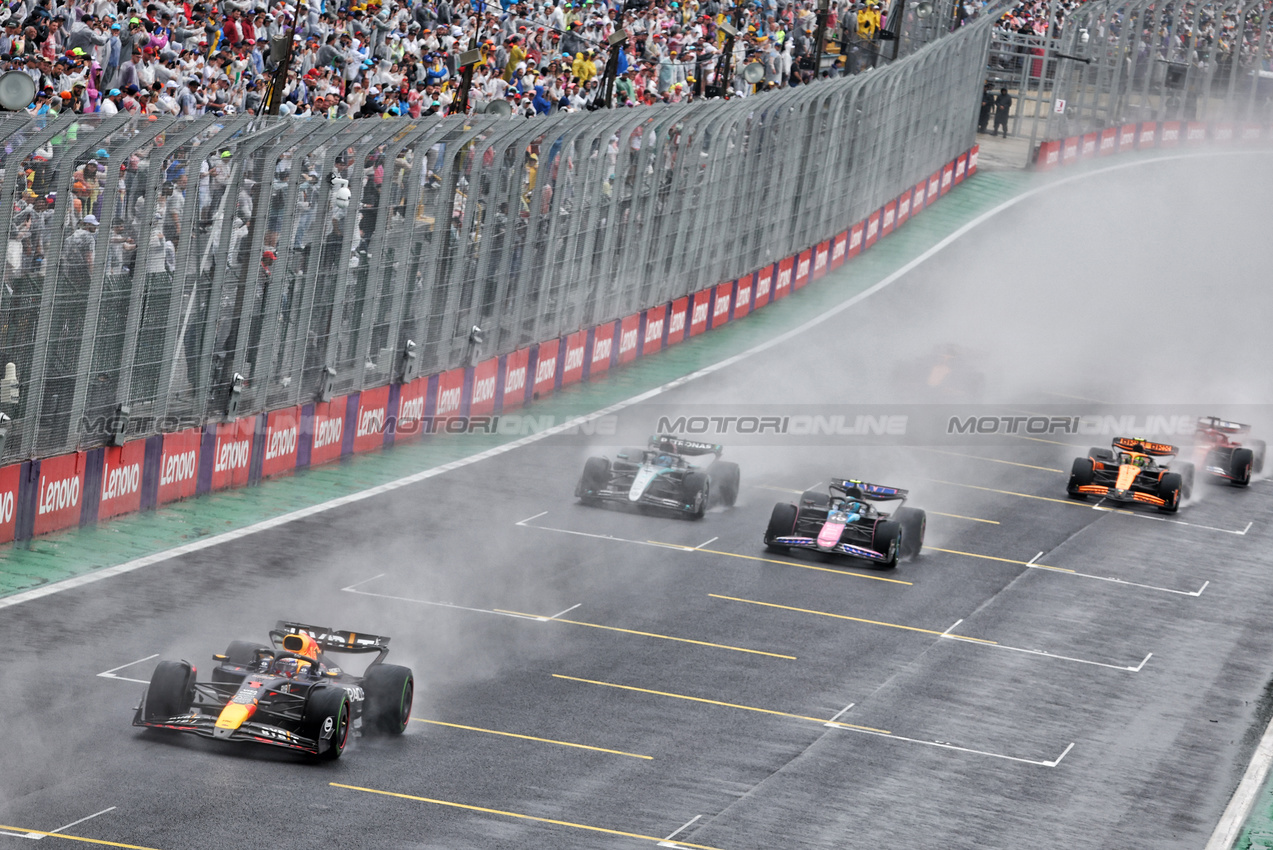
x: 1140, y: 461
x: 302, y: 644
x: 663, y: 460
x: 291, y: 667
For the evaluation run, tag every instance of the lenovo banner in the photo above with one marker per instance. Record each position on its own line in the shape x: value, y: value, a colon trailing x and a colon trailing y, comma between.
x: 1049, y: 156
x: 369, y: 424
x: 903, y: 209
x: 782, y: 283
x: 872, y: 230
x: 972, y: 159
x: 629, y: 338
x: 1195, y: 133
x: 121, y: 481
x: 655, y: 328
x: 10, y: 480
x: 1169, y: 136
x: 602, y: 349
x: 961, y: 166
x: 742, y: 296
x: 179, y: 465
x: 839, y: 250
x: 888, y: 218
x: 485, y: 375
x: 855, y: 238
x: 699, y: 309
x: 804, y: 267
x: 1090, y: 141
x: 572, y: 369
x: 545, y: 372
x: 231, y: 453
x: 1223, y: 133
x: 59, y: 497
x: 515, y: 383
x: 920, y: 200
x: 450, y: 401
x: 722, y: 303
x: 934, y: 187
x: 764, y: 287
x: 327, y: 430
x: 676, y: 316
x: 947, y: 177
x: 282, y: 439
x: 1127, y: 138
x: 1070, y: 150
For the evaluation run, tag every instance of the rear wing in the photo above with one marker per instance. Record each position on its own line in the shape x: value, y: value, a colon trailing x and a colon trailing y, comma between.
x: 675, y: 445
x: 870, y: 492
x: 1143, y: 446
x: 333, y: 640
x: 1214, y: 423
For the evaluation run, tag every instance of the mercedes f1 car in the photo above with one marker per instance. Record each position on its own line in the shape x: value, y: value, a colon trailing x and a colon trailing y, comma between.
x: 1225, y: 458
x: 285, y: 695
x: 661, y: 475
x: 845, y: 520
x: 1132, y: 472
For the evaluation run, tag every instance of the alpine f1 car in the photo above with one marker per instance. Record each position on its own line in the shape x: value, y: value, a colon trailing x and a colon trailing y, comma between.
x: 1132, y: 472
x: 286, y: 695
x: 1225, y: 458
x: 846, y: 521
x: 661, y: 475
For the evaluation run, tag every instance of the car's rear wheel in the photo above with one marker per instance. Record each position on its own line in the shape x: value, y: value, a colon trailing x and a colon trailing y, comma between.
x: 782, y: 523
x: 726, y: 478
x: 596, y: 474
x: 171, y: 690
x: 326, y: 721
x: 696, y: 489
x: 1082, y: 473
x: 819, y: 499
x: 390, y: 690
x: 888, y: 542
x: 240, y: 653
x: 1100, y: 454
x: 914, y: 522
x: 1240, y: 463
x: 1169, y: 489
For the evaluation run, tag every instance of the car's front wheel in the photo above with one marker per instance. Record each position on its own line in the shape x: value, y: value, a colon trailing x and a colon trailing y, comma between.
x: 171, y: 690
x: 782, y: 523
x: 390, y: 690
x: 326, y: 721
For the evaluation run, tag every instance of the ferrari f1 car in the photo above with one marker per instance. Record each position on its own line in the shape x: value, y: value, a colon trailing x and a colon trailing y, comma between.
x: 1226, y: 458
x: 286, y: 695
x: 1132, y: 472
x: 661, y: 475
x: 845, y: 520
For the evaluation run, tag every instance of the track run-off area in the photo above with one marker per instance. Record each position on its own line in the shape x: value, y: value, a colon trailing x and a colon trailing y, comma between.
x: 1047, y: 673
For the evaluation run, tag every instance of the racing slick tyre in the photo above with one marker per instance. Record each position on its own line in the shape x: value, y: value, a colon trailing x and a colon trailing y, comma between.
x: 913, y: 521
x: 818, y: 499
x: 1257, y: 462
x: 171, y: 690
x: 696, y: 489
x: 241, y: 653
x: 782, y: 523
x: 1186, y: 479
x: 1081, y: 474
x: 596, y: 474
x: 1169, y: 489
x: 725, y: 477
x: 1240, y: 465
x: 1100, y: 454
x: 888, y: 542
x: 389, y: 690
x: 326, y: 720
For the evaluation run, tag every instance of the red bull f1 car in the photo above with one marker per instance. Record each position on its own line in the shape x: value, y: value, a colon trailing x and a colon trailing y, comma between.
x: 1225, y: 458
x: 286, y: 695
x: 1132, y: 472
x: 846, y: 520
x: 662, y: 475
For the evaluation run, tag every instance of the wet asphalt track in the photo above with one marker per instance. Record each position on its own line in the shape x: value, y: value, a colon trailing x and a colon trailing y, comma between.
x: 1045, y: 675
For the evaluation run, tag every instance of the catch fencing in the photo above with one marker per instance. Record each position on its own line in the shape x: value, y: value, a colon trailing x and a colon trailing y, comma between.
x: 244, y: 265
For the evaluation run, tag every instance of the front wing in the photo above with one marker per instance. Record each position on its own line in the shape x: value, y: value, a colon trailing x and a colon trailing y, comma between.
x: 1132, y: 496
x: 840, y: 548
x: 205, y: 725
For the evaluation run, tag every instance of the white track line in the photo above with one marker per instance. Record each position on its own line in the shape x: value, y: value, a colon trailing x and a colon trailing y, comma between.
x: 110, y: 674
x: 705, y: 542
x: 839, y: 714
x: 1030, y: 563
x: 451, y: 605
x: 567, y: 611
x: 529, y: 518
x: 945, y: 745
x: 74, y: 823
x: 987, y: 645
x: 496, y: 451
x: 668, y: 842
x: 1121, y: 512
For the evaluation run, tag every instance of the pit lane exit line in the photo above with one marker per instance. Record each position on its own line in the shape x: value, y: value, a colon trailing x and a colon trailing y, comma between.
x: 1099, y: 507
x: 946, y: 635
x: 844, y: 727
x: 110, y: 674
x: 1066, y: 571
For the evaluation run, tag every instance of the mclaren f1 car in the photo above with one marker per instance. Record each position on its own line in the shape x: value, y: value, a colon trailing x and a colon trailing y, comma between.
x: 1133, y: 471
x: 847, y: 520
x: 286, y: 695
x: 662, y: 475
x: 1223, y: 457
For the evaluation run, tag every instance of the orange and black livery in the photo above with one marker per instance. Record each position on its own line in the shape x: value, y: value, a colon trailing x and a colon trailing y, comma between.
x: 1132, y: 471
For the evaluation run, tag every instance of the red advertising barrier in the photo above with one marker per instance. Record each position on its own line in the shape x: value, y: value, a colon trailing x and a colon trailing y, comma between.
x: 839, y: 250
x: 1109, y: 141
x: 1148, y: 135
x: 451, y: 391
x: 1070, y: 150
x: 856, y: 232
x: 1195, y: 133
x: 782, y: 286
x: 179, y: 463
x: 804, y: 267
x: 1126, y: 138
x: 742, y: 296
x: 677, y: 314
x: 920, y: 199
x: 872, y: 230
x: 282, y: 435
x: 602, y: 349
x: 1090, y: 143
x: 485, y: 375
x: 572, y: 370
x: 61, y: 490
x: 699, y: 312
x: 1049, y: 156
x: 764, y: 287
x: 961, y: 166
x: 821, y: 259
x: 369, y: 424
x: 629, y: 344
x: 890, y: 216
x: 947, y: 177
x: 1169, y: 136
x: 1250, y: 133
x: 722, y: 298
x: 655, y: 325
x: 903, y: 209
x: 232, y: 452
x: 121, y: 481
x: 1223, y: 133
x: 327, y: 431
x: 10, y: 479
x: 934, y: 188
x: 973, y: 155
x: 545, y: 372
